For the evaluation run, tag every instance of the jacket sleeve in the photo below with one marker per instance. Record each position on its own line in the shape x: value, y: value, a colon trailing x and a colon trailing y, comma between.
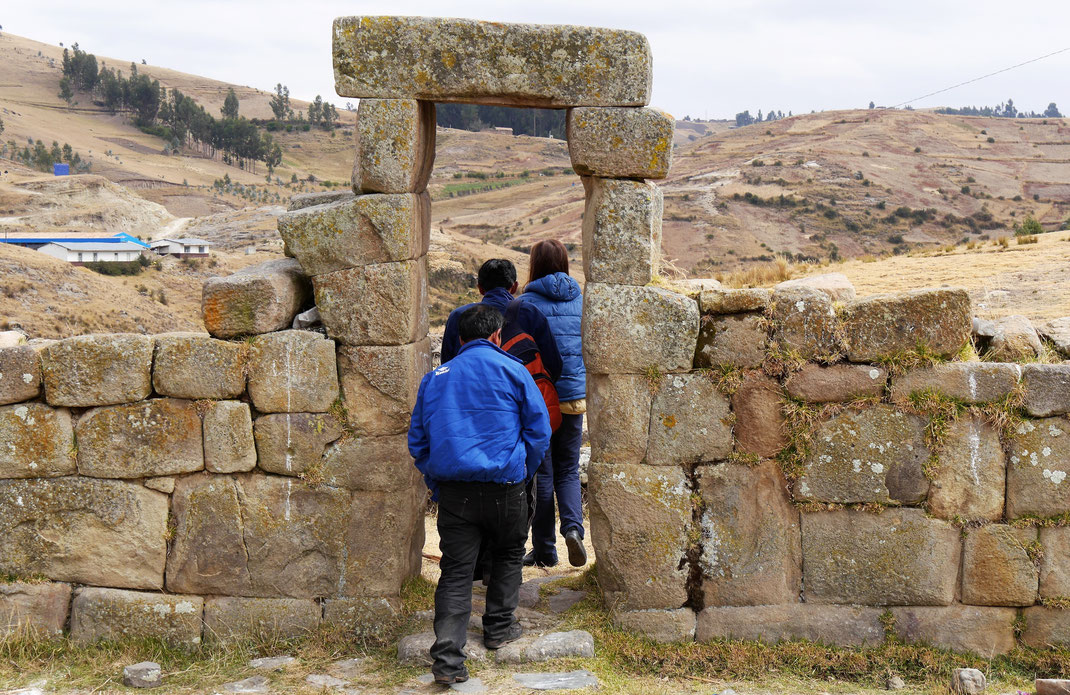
x: 451, y: 338
x: 539, y: 328
x: 419, y: 442
x: 534, y: 423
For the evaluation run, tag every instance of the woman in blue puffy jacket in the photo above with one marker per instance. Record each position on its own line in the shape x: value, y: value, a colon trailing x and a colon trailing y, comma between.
x: 558, y: 296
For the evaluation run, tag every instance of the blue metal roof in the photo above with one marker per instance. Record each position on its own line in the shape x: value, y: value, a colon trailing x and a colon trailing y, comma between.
x: 117, y: 239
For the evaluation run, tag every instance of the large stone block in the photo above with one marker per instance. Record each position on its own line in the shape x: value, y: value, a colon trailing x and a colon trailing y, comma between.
x: 20, y: 374
x: 622, y: 231
x: 845, y: 626
x: 1045, y: 627
x: 760, y: 424
x: 228, y: 438
x: 972, y: 382
x: 257, y: 535
x: 371, y: 463
x: 380, y: 304
x: 1047, y: 389
x: 805, y: 323
x: 636, y: 329
x: 664, y: 626
x: 196, y: 366
x: 751, y: 552
x: 1037, y: 466
x: 720, y: 300
x: 1055, y: 562
x: 469, y: 61
x: 261, y: 298
x: 620, y: 143
x: 640, y: 516
x: 292, y: 372
x: 987, y: 632
x: 689, y: 422
x: 37, y: 441
x: 618, y: 417
x: 376, y: 228
x: 395, y: 145
x: 735, y: 340
x: 997, y: 567
x: 161, y: 436
x: 90, y: 370
x: 114, y: 614
x: 897, y: 558
x: 363, y: 615
x: 836, y: 285
x: 836, y: 383
x: 870, y: 455
x: 1057, y: 333
x: 83, y: 530
x: 292, y: 443
x: 969, y: 479
x: 38, y: 607
x: 228, y: 618
x: 375, y: 568
x: 379, y: 385
x: 882, y: 325
x: 307, y: 200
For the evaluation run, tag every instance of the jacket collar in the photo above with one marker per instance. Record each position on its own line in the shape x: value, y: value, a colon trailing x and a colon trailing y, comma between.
x: 498, y: 298
x: 483, y: 343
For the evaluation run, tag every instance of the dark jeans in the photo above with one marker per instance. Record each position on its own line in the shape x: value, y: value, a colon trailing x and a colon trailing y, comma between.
x: 558, y: 475
x: 470, y: 514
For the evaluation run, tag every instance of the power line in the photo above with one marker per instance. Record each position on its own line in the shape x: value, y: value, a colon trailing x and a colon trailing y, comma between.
x: 978, y: 79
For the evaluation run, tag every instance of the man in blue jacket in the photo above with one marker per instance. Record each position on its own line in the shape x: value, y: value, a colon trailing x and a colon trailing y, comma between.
x: 478, y: 432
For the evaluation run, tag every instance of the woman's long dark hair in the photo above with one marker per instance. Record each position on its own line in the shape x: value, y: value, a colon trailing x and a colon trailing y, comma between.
x: 547, y: 257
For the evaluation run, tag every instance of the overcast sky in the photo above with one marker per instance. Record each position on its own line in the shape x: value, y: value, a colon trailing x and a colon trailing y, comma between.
x: 712, y: 58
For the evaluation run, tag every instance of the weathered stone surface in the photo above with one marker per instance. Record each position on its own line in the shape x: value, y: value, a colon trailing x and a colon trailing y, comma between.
x: 258, y: 299
x: 1045, y: 627
x: 735, y: 340
x: 689, y: 422
x: 847, y: 626
x: 997, y: 569
x: 1052, y: 686
x: 292, y: 443
x: 20, y: 374
x: 414, y: 649
x: 760, y: 425
x: 1057, y: 332
x: 727, y: 301
x: 375, y: 228
x: 1014, y: 340
x: 984, y: 631
x: 37, y: 441
x: 161, y: 436
x: 379, y: 385
x: 12, y: 338
x: 751, y: 552
x: 146, y: 674
x: 84, y: 531
x: 1055, y: 562
x: 112, y: 614
x: 839, y: 382
x: 257, y: 535
x: 835, y: 285
x: 882, y: 325
x: 620, y: 143
x: 1037, y: 466
x: 618, y: 417
x: 897, y: 558
x: 972, y: 382
x: 658, y: 326
x: 322, y: 681
x: 805, y: 323
x: 1047, y: 389
x: 469, y: 61
x: 292, y: 372
x: 395, y: 141
x: 195, y: 366
x: 272, y: 663
x: 664, y: 626
x: 640, y: 517
x: 622, y: 231
x: 252, y: 684
x: 229, y: 618
x: 967, y: 681
x: 371, y: 463
x: 969, y: 479
x: 41, y: 608
x: 573, y: 680
x: 307, y: 200
x: 373, y: 567
x: 164, y: 484
x: 365, y: 615
x: 574, y: 644
x: 379, y: 304
x: 90, y: 370
x: 228, y: 438
x: 870, y: 455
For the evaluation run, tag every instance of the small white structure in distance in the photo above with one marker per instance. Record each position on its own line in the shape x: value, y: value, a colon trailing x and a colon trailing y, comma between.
x: 181, y: 247
x: 78, y: 252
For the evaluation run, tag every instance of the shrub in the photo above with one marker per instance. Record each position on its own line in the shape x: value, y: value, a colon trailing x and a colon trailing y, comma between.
x: 114, y: 267
x: 917, y: 150
x: 1029, y: 227
x: 965, y: 190
x: 991, y: 140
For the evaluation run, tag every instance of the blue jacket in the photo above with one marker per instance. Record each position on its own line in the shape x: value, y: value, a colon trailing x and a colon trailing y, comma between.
x: 480, y: 418
x: 558, y: 297
x: 531, y: 322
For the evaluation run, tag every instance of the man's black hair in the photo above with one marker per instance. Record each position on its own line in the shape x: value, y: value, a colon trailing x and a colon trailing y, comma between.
x: 480, y: 321
x: 495, y: 273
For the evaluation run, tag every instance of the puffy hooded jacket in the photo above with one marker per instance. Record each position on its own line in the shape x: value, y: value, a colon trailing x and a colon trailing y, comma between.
x: 559, y: 298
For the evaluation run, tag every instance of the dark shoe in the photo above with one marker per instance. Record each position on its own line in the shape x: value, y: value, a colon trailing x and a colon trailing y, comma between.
x: 577, y: 554
x: 449, y: 680
x: 511, y: 635
x: 531, y: 561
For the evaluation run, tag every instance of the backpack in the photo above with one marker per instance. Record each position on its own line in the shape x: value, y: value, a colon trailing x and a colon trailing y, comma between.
x: 522, y: 346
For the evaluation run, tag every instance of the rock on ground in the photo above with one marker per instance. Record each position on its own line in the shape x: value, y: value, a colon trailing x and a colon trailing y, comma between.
x: 272, y: 663
x: 967, y: 681
x: 414, y: 649
x: 835, y: 285
x: 252, y: 684
x: 572, y: 680
x: 147, y: 674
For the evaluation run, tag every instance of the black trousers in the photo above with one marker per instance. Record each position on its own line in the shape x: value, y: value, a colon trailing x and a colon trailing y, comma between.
x: 471, y: 514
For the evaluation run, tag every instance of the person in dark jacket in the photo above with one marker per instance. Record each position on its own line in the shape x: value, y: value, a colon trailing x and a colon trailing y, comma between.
x: 479, y: 430
x: 497, y: 283
x: 556, y: 295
